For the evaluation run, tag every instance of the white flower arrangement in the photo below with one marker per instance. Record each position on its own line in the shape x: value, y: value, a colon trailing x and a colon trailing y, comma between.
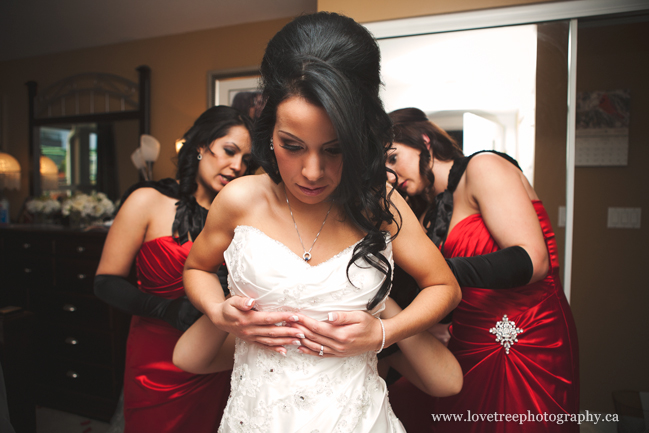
x: 96, y: 206
x: 44, y: 205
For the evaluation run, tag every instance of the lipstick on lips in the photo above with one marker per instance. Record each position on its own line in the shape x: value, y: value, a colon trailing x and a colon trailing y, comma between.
x: 311, y: 191
x: 225, y: 179
x: 403, y: 184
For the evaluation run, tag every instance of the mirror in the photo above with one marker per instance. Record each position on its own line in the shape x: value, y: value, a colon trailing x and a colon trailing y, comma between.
x: 87, y: 156
x: 501, y: 88
x: 87, y: 126
x: 490, y: 109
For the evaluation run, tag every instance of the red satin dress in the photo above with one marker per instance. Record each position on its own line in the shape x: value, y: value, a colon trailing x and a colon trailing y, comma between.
x: 158, y: 396
x: 539, y: 375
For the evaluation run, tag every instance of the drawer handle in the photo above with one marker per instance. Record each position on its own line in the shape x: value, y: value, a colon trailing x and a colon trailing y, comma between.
x: 72, y: 374
x: 81, y: 277
x: 69, y: 308
x: 26, y: 246
x: 71, y: 341
x: 80, y: 249
x: 28, y: 270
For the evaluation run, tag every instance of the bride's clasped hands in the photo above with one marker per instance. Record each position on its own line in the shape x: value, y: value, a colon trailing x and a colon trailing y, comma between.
x: 343, y: 334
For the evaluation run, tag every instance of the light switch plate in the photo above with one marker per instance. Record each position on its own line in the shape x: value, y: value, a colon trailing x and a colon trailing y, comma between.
x: 562, y: 216
x: 624, y: 217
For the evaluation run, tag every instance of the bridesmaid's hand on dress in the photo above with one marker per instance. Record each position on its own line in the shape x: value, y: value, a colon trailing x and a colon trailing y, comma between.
x: 237, y: 315
x: 347, y: 333
x: 441, y: 332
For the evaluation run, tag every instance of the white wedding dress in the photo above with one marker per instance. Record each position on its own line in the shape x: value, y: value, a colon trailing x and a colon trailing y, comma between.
x: 297, y: 392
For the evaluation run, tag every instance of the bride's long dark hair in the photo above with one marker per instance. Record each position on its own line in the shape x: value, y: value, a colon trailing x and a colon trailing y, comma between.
x: 333, y: 62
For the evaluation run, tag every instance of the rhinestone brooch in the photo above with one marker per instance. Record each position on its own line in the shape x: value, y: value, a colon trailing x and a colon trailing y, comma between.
x: 506, y: 333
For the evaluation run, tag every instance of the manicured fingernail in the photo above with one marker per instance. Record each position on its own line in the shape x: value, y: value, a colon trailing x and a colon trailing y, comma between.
x: 295, y: 319
x: 282, y: 352
x: 249, y: 302
x: 332, y: 316
x: 297, y: 343
x: 300, y: 336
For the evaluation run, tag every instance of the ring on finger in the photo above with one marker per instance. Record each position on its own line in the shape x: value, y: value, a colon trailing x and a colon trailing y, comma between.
x: 321, y: 350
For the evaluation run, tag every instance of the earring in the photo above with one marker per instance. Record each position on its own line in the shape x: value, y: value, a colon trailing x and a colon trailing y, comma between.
x: 271, y: 144
x: 199, y: 156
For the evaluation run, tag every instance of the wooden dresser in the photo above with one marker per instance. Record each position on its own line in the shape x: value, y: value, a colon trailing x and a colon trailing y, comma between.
x: 80, y: 341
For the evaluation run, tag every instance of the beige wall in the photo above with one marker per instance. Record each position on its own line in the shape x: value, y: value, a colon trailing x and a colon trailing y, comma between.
x: 551, y: 122
x: 366, y: 11
x: 125, y: 132
x: 610, y: 290
x: 179, y: 66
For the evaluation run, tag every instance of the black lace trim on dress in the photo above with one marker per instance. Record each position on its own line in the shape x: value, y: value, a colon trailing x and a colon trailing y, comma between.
x: 438, y: 215
x: 190, y: 216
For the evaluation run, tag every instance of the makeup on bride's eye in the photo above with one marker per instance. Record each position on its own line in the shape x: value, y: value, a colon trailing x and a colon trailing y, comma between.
x: 290, y: 148
x: 334, y: 151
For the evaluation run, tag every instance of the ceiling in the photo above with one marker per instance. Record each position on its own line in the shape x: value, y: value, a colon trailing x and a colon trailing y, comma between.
x: 35, y: 27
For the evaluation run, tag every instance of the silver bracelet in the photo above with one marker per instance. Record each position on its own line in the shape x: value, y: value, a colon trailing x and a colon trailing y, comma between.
x: 383, y: 340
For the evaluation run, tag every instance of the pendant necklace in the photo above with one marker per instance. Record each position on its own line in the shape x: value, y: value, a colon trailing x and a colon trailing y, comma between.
x: 307, y: 254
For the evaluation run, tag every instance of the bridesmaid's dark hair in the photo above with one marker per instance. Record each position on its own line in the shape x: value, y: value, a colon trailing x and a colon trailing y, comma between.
x: 334, y: 62
x: 214, y: 123
x: 409, y: 125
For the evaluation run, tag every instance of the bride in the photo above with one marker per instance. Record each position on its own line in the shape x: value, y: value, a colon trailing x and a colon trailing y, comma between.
x: 310, y: 248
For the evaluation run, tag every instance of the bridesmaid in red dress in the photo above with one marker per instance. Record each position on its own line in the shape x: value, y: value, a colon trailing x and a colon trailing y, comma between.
x: 513, y: 332
x: 156, y: 226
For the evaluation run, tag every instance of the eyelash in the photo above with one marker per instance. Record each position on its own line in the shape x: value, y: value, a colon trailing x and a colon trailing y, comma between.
x: 229, y: 152
x: 291, y: 148
x: 333, y: 151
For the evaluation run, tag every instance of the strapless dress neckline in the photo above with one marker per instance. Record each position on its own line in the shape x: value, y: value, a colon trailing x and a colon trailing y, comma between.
x: 298, y: 392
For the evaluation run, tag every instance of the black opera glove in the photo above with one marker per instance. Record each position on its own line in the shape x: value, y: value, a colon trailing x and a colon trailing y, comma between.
x: 504, y: 269
x: 119, y: 293
x: 181, y: 314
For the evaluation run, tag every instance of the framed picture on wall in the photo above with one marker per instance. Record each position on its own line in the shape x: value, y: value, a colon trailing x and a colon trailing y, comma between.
x: 235, y: 87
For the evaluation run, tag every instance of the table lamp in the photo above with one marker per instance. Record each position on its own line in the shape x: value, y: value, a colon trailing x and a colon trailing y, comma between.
x: 49, y: 174
x: 140, y: 163
x: 9, y: 179
x: 150, y: 148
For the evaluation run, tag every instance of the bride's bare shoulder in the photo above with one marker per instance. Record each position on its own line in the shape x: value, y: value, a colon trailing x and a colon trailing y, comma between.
x: 245, y: 194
